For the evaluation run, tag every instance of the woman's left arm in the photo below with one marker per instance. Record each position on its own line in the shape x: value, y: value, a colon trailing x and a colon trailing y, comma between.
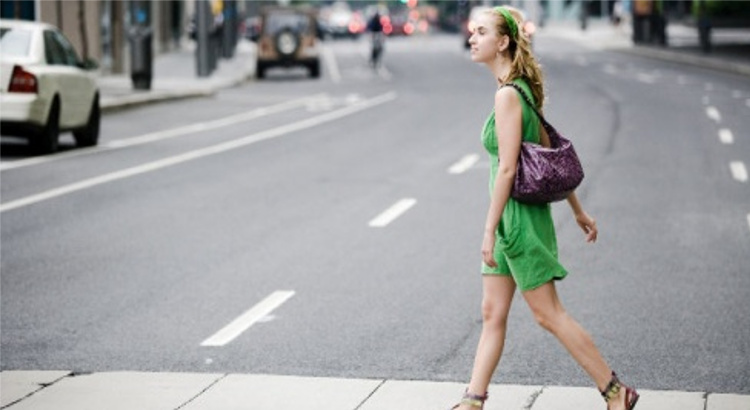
x: 508, y: 131
x: 587, y: 223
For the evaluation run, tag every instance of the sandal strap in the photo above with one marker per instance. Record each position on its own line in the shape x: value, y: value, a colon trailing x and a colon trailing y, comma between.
x: 474, y: 400
x: 612, y: 389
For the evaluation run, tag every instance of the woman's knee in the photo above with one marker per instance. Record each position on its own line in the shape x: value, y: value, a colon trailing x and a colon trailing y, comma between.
x: 495, y: 313
x: 550, y: 319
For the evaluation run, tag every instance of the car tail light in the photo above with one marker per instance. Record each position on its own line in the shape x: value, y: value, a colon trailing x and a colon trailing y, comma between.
x: 408, y: 28
x: 22, y: 81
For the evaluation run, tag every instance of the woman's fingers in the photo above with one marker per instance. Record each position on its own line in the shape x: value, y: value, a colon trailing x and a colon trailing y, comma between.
x: 489, y: 259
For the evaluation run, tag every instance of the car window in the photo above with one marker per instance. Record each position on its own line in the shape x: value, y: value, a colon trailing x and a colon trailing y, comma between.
x: 58, y: 50
x: 15, y: 42
x: 53, y: 53
x: 276, y: 22
x: 71, y: 57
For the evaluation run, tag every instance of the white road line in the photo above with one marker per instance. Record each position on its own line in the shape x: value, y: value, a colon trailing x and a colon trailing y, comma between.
x: 390, y: 214
x: 247, y: 319
x: 463, y: 164
x: 725, y: 135
x: 739, y: 172
x: 748, y: 220
x: 333, y: 67
x: 713, y: 113
x: 610, y: 69
x: 747, y: 102
x: 199, y: 153
x: 646, y: 78
x: 169, y: 133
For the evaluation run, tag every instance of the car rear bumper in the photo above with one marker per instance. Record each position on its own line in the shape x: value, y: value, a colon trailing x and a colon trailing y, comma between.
x: 23, y: 108
x: 292, y: 62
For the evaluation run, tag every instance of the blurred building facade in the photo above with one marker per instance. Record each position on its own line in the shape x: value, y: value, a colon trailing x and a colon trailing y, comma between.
x: 99, y: 29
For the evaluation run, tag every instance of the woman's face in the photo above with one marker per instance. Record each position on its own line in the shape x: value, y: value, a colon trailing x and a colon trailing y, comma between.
x: 484, y: 40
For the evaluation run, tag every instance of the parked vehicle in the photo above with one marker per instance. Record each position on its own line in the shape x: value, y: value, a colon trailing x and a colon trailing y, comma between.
x: 45, y: 88
x: 339, y: 20
x: 288, y: 37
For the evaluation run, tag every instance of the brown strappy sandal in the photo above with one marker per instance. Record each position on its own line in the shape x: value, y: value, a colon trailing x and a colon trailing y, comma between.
x: 613, y: 390
x: 473, y: 400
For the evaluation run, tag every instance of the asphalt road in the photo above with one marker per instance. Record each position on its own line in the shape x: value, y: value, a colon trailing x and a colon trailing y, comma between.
x: 133, y: 255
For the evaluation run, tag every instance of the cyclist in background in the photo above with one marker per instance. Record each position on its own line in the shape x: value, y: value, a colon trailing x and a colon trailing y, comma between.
x: 375, y: 26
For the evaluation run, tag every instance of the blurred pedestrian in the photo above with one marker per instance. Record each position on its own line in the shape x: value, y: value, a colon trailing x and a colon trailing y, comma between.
x: 375, y: 26
x: 519, y: 248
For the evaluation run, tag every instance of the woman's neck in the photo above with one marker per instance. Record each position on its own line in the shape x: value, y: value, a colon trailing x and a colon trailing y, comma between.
x: 500, y: 68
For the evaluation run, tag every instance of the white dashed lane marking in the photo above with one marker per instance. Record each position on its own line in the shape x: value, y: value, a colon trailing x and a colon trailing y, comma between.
x: 463, y: 164
x: 713, y: 113
x: 725, y: 135
x: 390, y: 214
x: 739, y: 172
x: 247, y: 319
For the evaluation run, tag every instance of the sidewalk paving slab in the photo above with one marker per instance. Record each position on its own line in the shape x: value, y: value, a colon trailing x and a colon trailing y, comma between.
x: 423, y: 395
x: 571, y: 398
x: 728, y: 402
x: 119, y: 391
x: 16, y: 385
x: 658, y: 400
x: 175, y: 77
x: 265, y: 392
x: 683, y: 49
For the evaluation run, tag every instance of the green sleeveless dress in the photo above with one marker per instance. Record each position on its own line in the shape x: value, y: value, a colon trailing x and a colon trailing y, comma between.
x: 526, y: 245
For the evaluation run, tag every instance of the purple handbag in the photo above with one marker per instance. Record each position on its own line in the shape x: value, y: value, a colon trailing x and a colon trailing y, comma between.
x: 545, y: 174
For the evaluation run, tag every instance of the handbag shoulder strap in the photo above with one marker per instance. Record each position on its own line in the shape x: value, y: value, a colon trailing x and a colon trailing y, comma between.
x: 528, y: 101
x: 554, y: 137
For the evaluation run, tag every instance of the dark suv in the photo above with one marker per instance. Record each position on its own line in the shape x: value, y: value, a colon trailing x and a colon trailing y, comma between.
x: 288, y: 36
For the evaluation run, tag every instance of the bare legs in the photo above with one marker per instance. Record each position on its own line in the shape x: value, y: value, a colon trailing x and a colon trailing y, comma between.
x: 496, y: 301
x: 550, y: 314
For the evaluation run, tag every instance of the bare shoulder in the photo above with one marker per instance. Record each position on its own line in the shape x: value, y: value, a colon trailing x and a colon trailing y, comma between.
x: 505, y: 97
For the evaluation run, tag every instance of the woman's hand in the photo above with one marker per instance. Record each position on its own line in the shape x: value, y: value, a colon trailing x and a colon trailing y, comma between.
x: 488, y: 249
x: 588, y: 224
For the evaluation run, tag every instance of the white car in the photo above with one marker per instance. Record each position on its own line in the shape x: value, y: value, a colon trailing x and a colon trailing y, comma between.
x: 45, y: 88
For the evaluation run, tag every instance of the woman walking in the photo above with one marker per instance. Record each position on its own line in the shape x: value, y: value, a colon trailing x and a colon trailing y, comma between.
x: 519, y: 249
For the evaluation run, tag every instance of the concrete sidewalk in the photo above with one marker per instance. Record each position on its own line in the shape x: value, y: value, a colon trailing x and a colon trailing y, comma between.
x: 731, y: 47
x: 175, y: 77
x: 51, y: 390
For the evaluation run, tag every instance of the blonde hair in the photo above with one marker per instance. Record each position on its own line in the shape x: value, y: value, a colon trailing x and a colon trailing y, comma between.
x: 523, y: 64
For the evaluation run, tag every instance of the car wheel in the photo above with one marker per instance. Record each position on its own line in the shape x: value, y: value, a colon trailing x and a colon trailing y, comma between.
x: 46, y: 141
x: 315, y: 69
x: 89, y: 136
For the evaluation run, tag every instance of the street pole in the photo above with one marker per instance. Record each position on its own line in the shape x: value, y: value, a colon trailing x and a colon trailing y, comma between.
x: 202, y: 21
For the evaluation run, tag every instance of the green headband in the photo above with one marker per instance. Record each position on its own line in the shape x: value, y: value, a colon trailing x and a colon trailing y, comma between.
x: 512, y: 25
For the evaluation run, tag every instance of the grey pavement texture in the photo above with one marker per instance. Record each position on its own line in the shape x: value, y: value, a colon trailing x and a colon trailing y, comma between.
x: 204, y: 391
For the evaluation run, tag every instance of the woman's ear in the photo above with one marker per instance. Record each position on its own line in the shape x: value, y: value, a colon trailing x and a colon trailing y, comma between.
x: 503, y: 44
